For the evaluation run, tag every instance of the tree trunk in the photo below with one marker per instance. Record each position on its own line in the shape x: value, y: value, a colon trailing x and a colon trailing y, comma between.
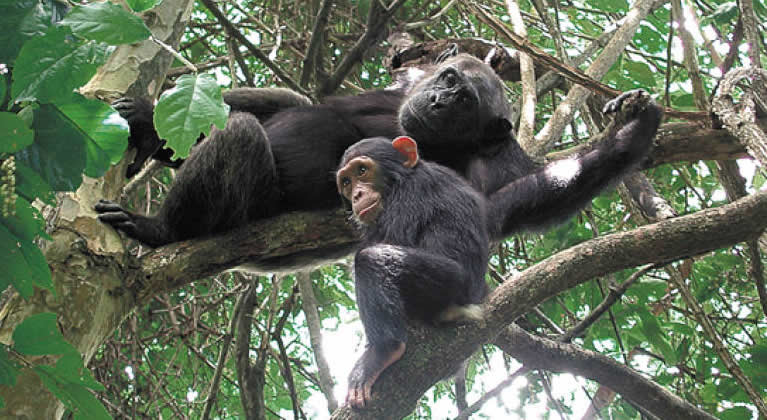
x: 87, y: 260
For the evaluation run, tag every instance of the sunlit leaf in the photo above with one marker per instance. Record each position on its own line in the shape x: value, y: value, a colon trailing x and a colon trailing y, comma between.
x: 51, y: 67
x: 187, y: 110
x: 106, y: 22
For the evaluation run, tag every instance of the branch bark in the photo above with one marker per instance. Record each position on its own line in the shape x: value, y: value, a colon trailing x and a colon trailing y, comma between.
x: 313, y: 322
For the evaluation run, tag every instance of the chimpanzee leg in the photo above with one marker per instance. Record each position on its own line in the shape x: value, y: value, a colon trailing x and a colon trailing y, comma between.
x: 228, y: 179
x: 393, y: 283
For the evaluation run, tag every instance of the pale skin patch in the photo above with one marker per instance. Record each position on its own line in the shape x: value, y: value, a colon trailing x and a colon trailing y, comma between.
x: 562, y: 172
x: 361, y: 393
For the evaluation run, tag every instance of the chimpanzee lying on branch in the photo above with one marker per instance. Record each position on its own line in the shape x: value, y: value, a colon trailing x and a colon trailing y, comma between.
x: 426, y: 231
x: 274, y: 159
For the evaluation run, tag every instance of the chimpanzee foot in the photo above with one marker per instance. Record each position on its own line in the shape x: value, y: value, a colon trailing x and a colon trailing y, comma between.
x: 629, y: 103
x: 367, y: 370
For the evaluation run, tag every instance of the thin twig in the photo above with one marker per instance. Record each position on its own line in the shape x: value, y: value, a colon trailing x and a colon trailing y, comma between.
x: 175, y: 53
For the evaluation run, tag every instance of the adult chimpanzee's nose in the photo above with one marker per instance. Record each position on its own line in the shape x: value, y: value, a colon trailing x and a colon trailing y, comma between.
x: 436, y: 100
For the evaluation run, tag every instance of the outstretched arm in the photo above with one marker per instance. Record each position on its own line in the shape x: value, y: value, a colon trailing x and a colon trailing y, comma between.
x: 559, y: 189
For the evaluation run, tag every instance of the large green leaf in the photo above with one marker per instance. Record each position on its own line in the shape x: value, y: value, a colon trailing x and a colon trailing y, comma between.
x: 8, y: 370
x: 14, y: 133
x: 16, y: 270
x: 68, y: 387
x: 141, y: 5
x: 49, y: 68
x: 39, y: 335
x: 104, y: 126
x: 21, y: 20
x: 58, y: 153
x: 188, y: 110
x: 106, y: 22
x: 30, y: 185
x: 27, y: 223
x: 653, y: 332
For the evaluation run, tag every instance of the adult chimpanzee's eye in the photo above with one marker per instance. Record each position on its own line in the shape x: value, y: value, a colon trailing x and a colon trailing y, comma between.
x: 361, y: 170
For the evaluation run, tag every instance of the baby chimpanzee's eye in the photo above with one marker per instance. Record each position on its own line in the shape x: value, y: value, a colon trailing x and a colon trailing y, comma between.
x: 345, y: 182
x: 361, y: 170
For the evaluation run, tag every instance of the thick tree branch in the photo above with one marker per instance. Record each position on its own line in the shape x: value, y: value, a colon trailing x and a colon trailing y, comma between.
x: 286, y: 243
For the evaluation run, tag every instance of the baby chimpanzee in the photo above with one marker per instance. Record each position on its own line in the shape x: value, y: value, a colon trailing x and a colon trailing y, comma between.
x: 424, y: 249
x: 426, y: 230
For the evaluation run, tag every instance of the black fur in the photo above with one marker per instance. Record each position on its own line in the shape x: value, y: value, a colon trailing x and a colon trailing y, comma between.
x: 457, y: 113
x: 284, y: 160
x: 427, y: 249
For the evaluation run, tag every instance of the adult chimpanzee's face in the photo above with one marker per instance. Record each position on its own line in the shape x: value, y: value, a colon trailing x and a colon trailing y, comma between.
x: 357, y: 183
x: 457, y: 101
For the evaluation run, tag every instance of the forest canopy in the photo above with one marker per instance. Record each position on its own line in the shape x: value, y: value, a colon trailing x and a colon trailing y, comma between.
x: 651, y: 303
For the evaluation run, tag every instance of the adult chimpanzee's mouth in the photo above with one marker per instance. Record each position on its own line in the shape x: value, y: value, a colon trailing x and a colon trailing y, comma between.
x: 421, y: 121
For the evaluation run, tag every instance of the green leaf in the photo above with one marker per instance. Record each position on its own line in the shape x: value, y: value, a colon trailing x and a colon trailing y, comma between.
x: 108, y: 131
x: 640, y: 73
x: 3, y: 88
x: 8, y: 370
x: 27, y: 223
x: 14, y: 134
x: 106, y: 22
x: 41, y: 272
x: 21, y: 20
x: 141, y: 5
x: 16, y: 270
x: 735, y: 413
x: 51, y: 67
x: 30, y: 185
x: 74, y: 396
x: 188, y: 110
x: 723, y: 14
x: 58, y: 153
x: 759, y: 354
x: 653, y: 332
x: 70, y: 367
x: 39, y: 335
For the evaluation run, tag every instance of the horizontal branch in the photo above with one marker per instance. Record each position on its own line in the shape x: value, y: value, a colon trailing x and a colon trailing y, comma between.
x: 295, y: 241
x: 436, y: 353
x: 286, y: 243
x: 685, y: 142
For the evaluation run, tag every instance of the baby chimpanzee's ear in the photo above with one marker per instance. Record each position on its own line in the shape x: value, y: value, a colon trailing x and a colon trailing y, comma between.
x: 407, y: 148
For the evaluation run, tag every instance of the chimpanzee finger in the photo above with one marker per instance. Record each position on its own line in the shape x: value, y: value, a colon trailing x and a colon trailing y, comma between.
x: 104, y: 206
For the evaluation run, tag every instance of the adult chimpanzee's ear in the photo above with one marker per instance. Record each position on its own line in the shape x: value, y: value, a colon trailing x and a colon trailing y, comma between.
x: 407, y: 148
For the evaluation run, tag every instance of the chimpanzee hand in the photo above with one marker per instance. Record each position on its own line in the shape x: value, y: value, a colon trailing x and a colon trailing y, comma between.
x: 134, y: 110
x: 628, y: 103
x: 117, y: 217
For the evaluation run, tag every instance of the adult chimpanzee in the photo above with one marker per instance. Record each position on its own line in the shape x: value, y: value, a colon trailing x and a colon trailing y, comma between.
x: 426, y: 231
x: 262, y: 103
x: 254, y: 169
